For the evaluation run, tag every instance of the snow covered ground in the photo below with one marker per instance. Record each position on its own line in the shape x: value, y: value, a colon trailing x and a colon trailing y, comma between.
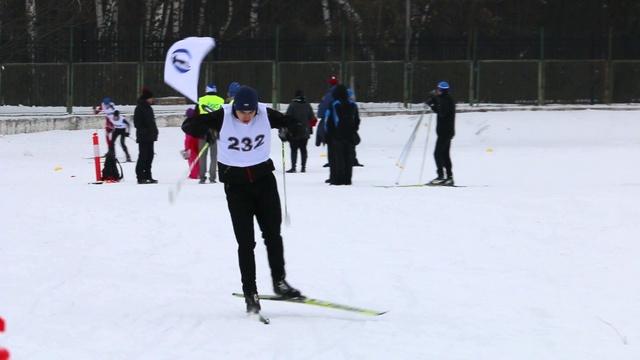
x: 536, y: 259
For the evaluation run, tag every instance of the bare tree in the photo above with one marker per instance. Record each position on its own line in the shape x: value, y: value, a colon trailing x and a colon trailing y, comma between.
x: 32, y: 33
x: 223, y: 29
x: 254, y: 25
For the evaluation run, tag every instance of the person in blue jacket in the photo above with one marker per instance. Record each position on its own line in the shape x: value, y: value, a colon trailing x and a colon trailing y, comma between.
x: 321, y: 136
x: 341, y: 126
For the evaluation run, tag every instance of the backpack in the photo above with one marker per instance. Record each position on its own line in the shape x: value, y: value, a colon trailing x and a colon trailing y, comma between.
x: 110, y: 171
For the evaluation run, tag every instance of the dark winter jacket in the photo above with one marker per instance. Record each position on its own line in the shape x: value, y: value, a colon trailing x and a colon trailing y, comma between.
x: 301, y: 110
x: 341, y: 119
x: 445, y: 108
x: 201, y: 125
x: 327, y: 100
x: 145, y: 122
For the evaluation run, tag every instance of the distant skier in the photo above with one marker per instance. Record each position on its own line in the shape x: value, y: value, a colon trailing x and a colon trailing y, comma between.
x: 107, y: 108
x: 441, y: 102
x: 122, y: 128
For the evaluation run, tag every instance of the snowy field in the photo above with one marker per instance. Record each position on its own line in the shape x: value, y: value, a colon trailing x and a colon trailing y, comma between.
x: 538, y: 258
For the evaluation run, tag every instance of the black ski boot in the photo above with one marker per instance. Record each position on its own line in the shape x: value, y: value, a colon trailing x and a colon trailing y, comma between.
x: 292, y: 170
x: 253, y: 303
x: 282, y: 288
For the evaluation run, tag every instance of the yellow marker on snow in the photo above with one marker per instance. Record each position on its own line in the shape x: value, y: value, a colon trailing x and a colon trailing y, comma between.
x: 489, y: 150
x: 58, y: 168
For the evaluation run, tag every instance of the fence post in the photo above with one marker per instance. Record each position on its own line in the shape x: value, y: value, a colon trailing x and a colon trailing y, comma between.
x: 275, y: 74
x: 608, y: 74
x: 70, y: 74
x: 541, y: 70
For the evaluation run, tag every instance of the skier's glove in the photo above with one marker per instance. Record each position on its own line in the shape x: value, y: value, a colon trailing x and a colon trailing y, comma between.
x: 284, y: 134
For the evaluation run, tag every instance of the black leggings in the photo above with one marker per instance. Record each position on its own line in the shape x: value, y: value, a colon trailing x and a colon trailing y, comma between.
x: 259, y: 199
x: 298, y: 144
x: 114, y: 137
x: 442, y: 157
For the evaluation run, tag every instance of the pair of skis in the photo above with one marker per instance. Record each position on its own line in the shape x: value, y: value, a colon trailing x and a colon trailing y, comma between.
x: 425, y: 185
x: 310, y: 301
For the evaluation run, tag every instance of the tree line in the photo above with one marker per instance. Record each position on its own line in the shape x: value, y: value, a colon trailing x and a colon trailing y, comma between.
x: 48, y: 30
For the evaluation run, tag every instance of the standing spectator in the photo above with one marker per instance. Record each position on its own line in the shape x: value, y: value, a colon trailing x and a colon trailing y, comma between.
x: 302, y: 111
x: 121, y: 127
x: 352, y: 97
x: 233, y: 89
x: 245, y: 168
x: 341, y: 125
x: 146, y: 134
x: 192, y: 149
x: 107, y: 108
x: 321, y: 136
x: 441, y: 103
x: 211, y: 101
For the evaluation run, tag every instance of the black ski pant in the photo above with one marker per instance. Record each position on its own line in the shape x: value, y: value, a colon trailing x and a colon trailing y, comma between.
x: 145, y: 158
x: 298, y: 144
x: 342, y: 156
x: 443, y: 157
x: 259, y: 199
x: 114, y: 137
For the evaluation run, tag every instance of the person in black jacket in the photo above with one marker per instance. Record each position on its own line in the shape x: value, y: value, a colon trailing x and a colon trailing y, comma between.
x: 146, y: 134
x: 301, y: 110
x: 243, y: 130
x: 341, y: 125
x: 441, y: 102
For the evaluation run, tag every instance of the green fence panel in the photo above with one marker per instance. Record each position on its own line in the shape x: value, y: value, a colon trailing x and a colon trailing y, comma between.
x: 508, y: 82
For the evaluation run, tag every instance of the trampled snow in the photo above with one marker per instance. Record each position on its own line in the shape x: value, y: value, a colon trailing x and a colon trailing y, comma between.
x: 536, y: 259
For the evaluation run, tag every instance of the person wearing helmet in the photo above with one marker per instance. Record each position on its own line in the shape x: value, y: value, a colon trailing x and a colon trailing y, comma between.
x: 107, y: 107
x: 443, y: 105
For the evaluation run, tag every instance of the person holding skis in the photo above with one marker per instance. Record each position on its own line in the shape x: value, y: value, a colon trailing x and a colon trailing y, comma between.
x: 121, y: 127
x: 243, y: 130
x: 443, y: 105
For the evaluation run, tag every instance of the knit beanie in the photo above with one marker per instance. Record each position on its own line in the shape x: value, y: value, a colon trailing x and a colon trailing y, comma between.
x: 246, y: 99
x: 146, y: 94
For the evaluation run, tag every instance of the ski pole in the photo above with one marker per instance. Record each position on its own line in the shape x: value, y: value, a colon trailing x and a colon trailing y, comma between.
x: 403, y: 156
x: 408, y: 144
x: 426, y: 144
x: 287, y: 220
x: 173, y: 191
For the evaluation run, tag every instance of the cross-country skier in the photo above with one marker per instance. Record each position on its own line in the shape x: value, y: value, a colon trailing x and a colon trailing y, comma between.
x: 441, y: 102
x: 243, y: 130
x: 122, y: 128
x: 107, y: 108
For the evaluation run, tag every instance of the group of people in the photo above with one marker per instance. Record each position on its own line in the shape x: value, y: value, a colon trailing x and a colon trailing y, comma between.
x: 198, y: 149
x: 239, y: 130
x: 146, y: 132
x: 338, y: 129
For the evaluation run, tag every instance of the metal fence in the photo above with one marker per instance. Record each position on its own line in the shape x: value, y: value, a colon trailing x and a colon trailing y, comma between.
x: 487, y: 81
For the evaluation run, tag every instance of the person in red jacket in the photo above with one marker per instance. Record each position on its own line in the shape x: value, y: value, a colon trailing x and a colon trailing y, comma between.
x: 191, y: 150
x: 107, y: 108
